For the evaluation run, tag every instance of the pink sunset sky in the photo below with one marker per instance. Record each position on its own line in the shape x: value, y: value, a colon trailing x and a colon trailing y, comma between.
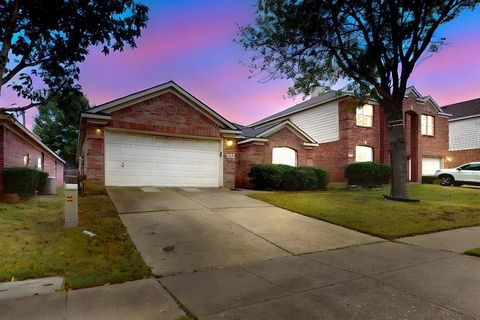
x: 191, y: 42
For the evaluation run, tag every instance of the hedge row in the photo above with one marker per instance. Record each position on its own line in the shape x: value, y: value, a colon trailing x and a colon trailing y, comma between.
x: 430, y: 180
x: 367, y: 174
x: 284, y: 177
x: 23, y: 180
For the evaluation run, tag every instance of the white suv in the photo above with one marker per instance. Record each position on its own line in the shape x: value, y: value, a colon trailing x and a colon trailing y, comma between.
x: 468, y: 173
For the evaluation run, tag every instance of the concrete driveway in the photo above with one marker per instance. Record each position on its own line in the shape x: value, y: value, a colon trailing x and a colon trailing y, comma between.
x: 190, y: 229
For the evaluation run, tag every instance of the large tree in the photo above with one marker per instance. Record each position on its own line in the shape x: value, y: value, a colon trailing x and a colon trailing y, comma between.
x: 373, y: 45
x: 57, y: 123
x: 42, y: 41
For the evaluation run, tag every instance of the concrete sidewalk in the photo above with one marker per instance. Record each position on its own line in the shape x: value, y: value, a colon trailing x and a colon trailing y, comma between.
x: 456, y: 240
x: 143, y: 299
x: 376, y: 281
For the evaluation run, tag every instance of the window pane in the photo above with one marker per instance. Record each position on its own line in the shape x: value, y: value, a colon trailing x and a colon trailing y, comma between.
x: 359, y: 120
x: 423, y: 123
x: 430, y: 120
x: 363, y: 153
x: 284, y: 155
x: 367, y: 121
x: 368, y: 110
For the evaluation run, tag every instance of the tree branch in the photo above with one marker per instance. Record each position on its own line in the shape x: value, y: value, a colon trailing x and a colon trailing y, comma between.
x: 22, y: 108
x: 7, y: 42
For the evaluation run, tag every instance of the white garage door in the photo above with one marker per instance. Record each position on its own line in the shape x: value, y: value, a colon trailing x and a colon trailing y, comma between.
x: 151, y: 160
x: 430, y: 165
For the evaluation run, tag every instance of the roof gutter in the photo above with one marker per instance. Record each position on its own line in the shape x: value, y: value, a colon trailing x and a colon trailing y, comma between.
x: 31, y: 135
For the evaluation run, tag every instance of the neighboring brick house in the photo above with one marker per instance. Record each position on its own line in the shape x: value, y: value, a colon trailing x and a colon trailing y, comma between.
x: 346, y: 134
x: 166, y: 137
x: 464, y: 132
x: 19, y: 147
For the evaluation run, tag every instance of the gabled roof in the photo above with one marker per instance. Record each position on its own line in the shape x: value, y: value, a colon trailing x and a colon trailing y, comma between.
x: 106, y: 108
x: 262, y: 132
x: 32, y: 135
x: 310, y: 103
x: 464, y: 109
x: 423, y: 99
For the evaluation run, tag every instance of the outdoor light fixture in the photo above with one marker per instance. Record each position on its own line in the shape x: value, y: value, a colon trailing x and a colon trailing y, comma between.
x: 448, y: 159
x: 229, y: 143
x: 26, y: 159
x: 98, y: 131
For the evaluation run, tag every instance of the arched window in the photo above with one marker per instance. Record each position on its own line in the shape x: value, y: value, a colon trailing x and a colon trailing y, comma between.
x: 363, y: 154
x: 284, y: 155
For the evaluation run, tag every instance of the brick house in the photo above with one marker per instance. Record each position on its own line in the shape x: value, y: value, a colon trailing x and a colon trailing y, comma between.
x: 20, y: 147
x: 464, y: 132
x: 344, y: 134
x: 164, y: 136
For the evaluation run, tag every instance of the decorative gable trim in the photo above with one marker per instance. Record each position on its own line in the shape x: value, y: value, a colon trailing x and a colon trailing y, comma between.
x: 170, y: 86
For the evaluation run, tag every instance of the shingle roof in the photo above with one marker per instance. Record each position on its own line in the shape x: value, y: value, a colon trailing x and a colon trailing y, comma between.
x: 463, y: 109
x: 304, y: 105
x: 250, y: 132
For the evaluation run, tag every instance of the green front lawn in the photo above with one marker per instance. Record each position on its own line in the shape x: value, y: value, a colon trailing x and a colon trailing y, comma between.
x: 34, y: 243
x: 473, y: 252
x: 441, y: 208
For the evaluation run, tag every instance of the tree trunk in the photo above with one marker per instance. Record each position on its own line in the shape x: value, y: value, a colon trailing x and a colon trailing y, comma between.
x: 398, y: 159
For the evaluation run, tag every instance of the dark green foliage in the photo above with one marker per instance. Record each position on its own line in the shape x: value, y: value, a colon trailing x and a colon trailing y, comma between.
x: 283, y: 177
x: 57, y: 123
x: 45, y: 40
x: 42, y: 181
x: 23, y: 180
x: 367, y: 174
x: 429, y: 180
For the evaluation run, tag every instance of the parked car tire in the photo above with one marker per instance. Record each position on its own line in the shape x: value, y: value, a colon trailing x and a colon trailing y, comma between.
x: 446, y: 180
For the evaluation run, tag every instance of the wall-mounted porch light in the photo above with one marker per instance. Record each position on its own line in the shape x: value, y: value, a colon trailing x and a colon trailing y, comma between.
x: 229, y: 143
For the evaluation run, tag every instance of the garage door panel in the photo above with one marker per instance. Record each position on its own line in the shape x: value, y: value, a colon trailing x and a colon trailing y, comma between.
x: 430, y: 165
x: 135, y: 159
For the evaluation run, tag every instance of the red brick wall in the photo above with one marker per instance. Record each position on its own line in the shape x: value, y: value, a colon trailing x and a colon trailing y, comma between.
x: 255, y: 153
x: 15, y: 145
x: 94, y: 158
x: 459, y: 157
x: 419, y: 146
x: 166, y: 114
x: 229, y: 163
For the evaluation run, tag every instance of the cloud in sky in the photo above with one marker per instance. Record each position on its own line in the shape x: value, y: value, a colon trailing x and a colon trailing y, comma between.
x: 191, y: 42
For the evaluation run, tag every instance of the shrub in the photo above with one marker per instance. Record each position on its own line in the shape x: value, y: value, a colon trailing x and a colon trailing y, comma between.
x: 42, y: 181
x: 429, y: 180
x: 22, y: 180
x: 283, y: 177
x: 367, y: 174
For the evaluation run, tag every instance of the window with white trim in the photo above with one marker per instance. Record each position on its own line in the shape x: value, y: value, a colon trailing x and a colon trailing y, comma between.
x: 363, y: 154
x: 284, y: 155
x: 365, y: 116
x: 39, y: 163
x: 428, y: 125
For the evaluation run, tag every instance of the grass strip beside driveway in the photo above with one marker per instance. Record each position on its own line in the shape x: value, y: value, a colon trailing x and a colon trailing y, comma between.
x: 440, y: 208
x: 34, y: 243
x: 473, y: 252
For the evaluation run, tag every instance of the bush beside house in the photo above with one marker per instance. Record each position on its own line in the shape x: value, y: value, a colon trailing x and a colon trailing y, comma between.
x: 23, y: 181
x: 367, y: 174
x: 284, y: 177
x: 429, y: 180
